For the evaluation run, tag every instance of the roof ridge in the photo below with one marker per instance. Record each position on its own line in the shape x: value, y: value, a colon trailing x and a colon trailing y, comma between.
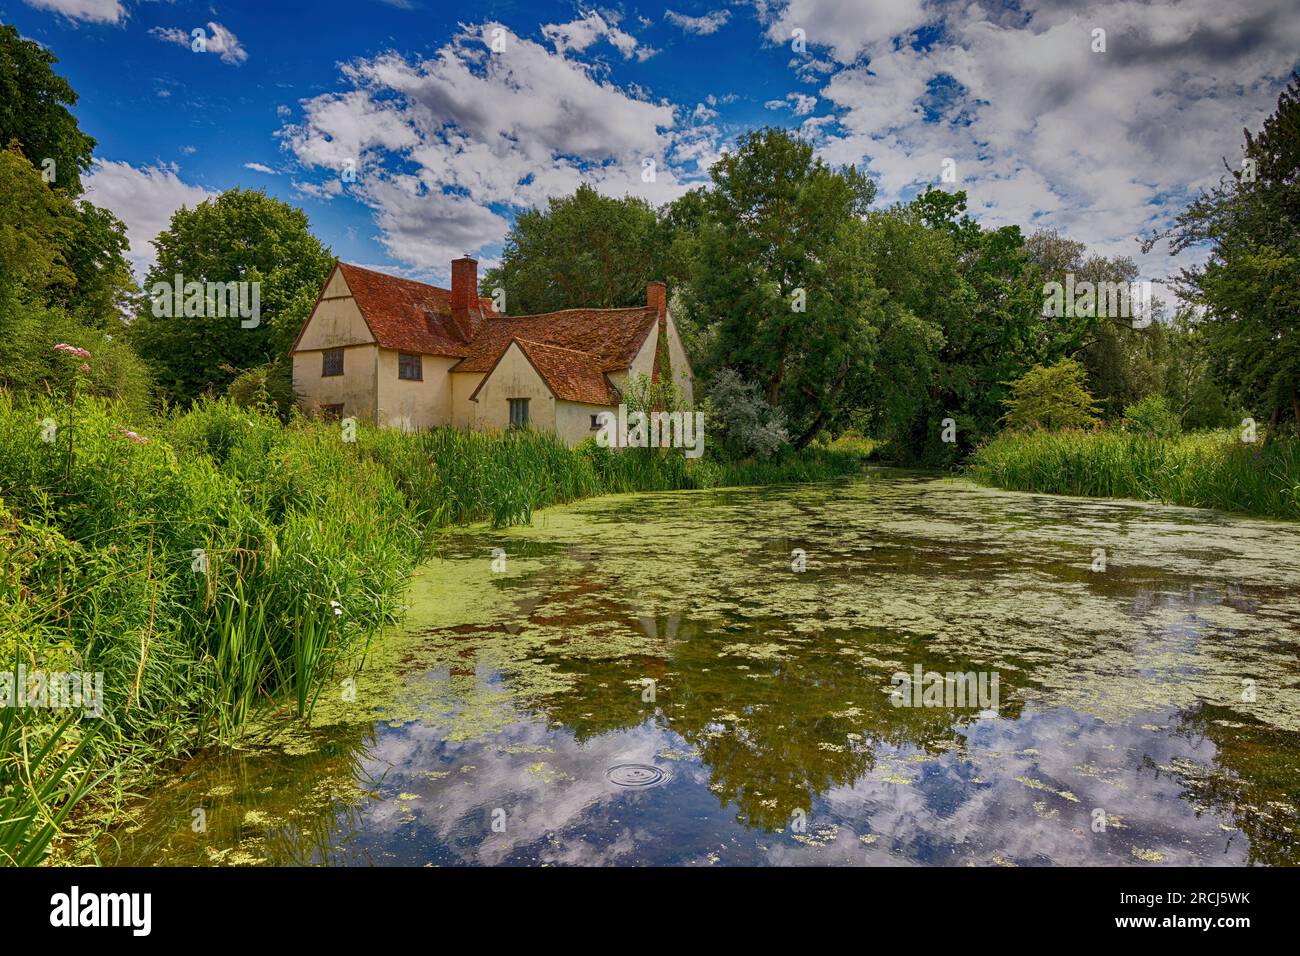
x: 548, y: 345
x: 389, y: 275
x: 542, y: 315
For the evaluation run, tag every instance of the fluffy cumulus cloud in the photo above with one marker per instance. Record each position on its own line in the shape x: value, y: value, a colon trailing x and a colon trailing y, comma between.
x: 144, y: 198
x: 91, y: 11
x: 847, y: 28
x: 1044, y: 131
x: 579, y: 34
x: 443, y: 148
x: 703, y: 26
x: 216, y: 39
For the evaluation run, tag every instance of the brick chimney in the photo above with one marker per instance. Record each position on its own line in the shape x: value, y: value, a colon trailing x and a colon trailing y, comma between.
x: 465, y: 311
x: 656, y: 296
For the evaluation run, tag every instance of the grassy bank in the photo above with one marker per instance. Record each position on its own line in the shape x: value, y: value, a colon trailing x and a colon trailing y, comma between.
x: 1204, y: 470
x: 214, y: 561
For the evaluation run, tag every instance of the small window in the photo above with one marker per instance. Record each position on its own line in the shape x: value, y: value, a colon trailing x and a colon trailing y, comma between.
x: 595, y: 423
x: 331, y: 413
x: 331, y: 362
x: 518, y: 412
x: 410, y: 367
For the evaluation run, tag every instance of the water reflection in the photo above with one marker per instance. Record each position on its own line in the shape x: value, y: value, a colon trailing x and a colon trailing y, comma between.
x: 1122, y: 736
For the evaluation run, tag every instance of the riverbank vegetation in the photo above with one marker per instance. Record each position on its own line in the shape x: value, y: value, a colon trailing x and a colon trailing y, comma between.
x: 1207, y: 469
x: 214, y: 560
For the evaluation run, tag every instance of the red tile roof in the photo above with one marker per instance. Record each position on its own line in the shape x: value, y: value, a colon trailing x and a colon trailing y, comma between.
x: 571, y: 349
x: 612, y: 337
x: 406, y: 315
x: 572, y: 376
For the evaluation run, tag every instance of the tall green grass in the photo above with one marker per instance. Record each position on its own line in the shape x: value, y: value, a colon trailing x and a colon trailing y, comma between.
x: 454, y: 477
x: 220, y: 561
x: 1205, y: 469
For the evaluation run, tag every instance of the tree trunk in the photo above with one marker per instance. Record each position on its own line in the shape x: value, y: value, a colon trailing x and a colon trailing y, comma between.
x: 811, y: 432
x: 1273, y: 423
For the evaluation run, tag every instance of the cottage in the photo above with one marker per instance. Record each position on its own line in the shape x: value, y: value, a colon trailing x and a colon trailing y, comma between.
x: 409, y: 355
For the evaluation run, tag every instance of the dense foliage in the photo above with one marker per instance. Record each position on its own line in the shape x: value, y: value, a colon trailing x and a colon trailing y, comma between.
x: 1250, y: 287
x: 239, y: 236
x: 1051, y: 397
x: 582, y: 251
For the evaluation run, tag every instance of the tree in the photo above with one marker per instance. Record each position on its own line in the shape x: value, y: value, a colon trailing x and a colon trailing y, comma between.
x: 1051, y: 397
x: 582, y: 251
x: 777, y: 286
x: 101, y: 286
x: 1251, y: 221
x: 239, y: 236
x: 44, y: 301
x: 34, y: 103
x: 962, y: 318
x: 31, y: 229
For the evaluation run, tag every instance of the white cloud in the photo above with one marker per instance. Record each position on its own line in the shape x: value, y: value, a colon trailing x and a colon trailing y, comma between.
x: 702, y: 26
x: 846, y: 27
x: 261, y: 168
x: 445, y: 146
x: 578, y: 35
x: 144, y: 199
x: 216, y: 39
x: 171, y: 35
x: 92, y: 11
x: 1104, y: 146
x: 799, y: 103
x: 325, y: 190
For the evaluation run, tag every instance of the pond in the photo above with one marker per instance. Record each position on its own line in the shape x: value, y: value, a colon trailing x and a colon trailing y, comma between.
x: 648, y: 679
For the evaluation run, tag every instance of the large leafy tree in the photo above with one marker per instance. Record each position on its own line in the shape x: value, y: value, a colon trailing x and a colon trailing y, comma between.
x: 1249, y: 285
x: 53, y: 289
x: 34, y: 103
x: 59, y: 251
x: 777, y: 285
x: 239, y: 236
x: 962, y: 319
x: 31, y: 229
x: 583, y: 250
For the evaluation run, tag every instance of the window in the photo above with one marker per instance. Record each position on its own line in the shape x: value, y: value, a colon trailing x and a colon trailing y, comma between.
x: 518, y: 412
x: 410, y: 367
x: 595, y: 423
x: 331, y: 362
x: 331, y: 413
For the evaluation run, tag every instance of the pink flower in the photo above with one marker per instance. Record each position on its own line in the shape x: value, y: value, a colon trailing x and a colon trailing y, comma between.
x: 133, y: 437
x: 72, y: 350
x: 85, y: 368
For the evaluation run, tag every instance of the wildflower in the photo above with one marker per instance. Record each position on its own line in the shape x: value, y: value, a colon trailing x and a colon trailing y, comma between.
x: 133, y: 437
x: 338, y: 608
x: 85, y: 368
x: 72, y: 350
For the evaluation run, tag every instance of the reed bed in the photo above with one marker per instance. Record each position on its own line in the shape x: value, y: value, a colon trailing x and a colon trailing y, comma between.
x: 1213, y: 469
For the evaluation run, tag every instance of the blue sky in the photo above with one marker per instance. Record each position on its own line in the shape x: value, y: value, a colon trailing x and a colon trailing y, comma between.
x: 454, y: 117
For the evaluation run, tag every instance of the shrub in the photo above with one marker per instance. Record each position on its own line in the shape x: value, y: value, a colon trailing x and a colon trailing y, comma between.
x: 266, y: 388
x: 740, y: 420
x: 1152, y: 416
x: 1051, y: 397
